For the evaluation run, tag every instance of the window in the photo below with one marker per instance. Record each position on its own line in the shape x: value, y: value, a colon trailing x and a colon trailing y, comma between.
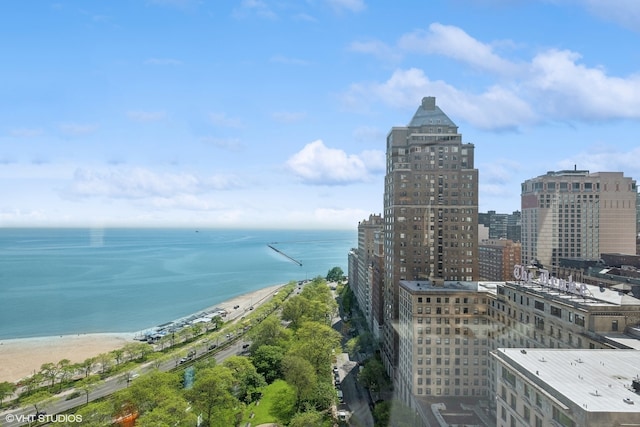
x: 562, y: 419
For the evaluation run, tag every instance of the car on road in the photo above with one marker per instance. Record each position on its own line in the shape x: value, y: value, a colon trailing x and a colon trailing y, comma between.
x: 340, y: 396
x: 342, y: 415
x: 212, y: 346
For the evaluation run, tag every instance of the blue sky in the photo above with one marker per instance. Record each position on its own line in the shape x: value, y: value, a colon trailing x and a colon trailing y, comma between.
x: 260, y: 113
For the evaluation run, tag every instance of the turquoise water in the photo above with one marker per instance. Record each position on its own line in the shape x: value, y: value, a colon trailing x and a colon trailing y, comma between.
x: 70, y: 281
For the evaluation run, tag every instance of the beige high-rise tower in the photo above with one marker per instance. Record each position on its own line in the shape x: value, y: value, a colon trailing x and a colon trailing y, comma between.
x: 430, y: 211
x: 577, y: 214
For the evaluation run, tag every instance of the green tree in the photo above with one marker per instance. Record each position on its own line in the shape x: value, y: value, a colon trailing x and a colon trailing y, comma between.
x: 310, y: 418
x: 294, y: 310
x: 248, y: 382
x: 301, y: 375
x: 50, y: 372
x: 217, y: 322
x: 104, y: 360
x: 335, y: 274
x: 87, y: 366
x: 316, y: 343
x: 33, y: 382
x: 150, y: 391
x: 87, y: 385
x: 268, y: 361
x: 39, y: 400
x: 96, y: 414
x: 175, y: 413
x: 118, y: 355
x: 373, y: 375
x: 6, y: 390
x: 66, y: 370
x: 285, y: 402
x: 269, y: 332
x: 212, y: 397
x: 324, y: 395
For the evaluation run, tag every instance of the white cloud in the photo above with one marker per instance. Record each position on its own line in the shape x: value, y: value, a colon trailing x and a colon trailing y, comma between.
x: 25, y: 133
x: 288, y: 116
x: 569, y: 90
x: 257, y: 7
x: 187, y: 202
x: 376, y: 48
x: 146, y: 116
x: 496, y: 108
x: 140, y: 183
x: 369, y: 134
x: 453, y: 42
x: 553, y: 86
x: 77, y: 129
x: 163, y: 61
x: 281, y: 59
x: 350, y: 5
x: 623, y: 12
x: 605, y: 158
x: 230, y: 144
x: 318, y: 164
x: 221, y: 119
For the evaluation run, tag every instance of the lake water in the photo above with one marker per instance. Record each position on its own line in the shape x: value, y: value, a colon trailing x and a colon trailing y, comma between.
x: 70, y: 281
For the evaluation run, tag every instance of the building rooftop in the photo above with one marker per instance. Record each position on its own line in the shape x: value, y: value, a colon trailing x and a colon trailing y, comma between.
x: 448, y: 286
x: 594, y: 295
x: 596, y: 380
x: 429, y: 114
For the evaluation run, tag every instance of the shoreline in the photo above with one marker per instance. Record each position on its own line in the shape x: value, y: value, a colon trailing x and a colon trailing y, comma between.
x: 21, y: 357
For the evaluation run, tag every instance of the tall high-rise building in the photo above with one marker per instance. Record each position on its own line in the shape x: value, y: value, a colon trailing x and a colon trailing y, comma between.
x: 430, y: 211
x: 366, y: 251
x: 577, y: 214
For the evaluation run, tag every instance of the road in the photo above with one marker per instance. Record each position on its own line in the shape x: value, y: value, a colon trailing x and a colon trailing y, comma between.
x: 19, y: 417
x: 356, y: 401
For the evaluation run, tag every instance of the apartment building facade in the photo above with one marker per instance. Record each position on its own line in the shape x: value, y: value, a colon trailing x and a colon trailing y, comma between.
x: 497, y: 258
x: 367, y: 231
x: 577, y: 214
x: 430, y: 211
x: 444, y: 349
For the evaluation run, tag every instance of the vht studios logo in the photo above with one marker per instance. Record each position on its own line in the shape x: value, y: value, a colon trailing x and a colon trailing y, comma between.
x: 43, y: 418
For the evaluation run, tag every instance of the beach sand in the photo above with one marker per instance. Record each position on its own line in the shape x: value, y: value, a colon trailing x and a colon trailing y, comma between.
x: 22, y: 357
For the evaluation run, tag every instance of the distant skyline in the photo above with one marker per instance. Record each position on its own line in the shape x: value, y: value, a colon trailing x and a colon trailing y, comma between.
x: 269, y: 114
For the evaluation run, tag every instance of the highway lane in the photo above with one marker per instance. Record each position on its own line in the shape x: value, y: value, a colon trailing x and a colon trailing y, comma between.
x: 19, y: 417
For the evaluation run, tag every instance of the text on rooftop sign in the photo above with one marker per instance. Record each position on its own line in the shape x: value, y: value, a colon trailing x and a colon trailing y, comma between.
x: 521, y: 272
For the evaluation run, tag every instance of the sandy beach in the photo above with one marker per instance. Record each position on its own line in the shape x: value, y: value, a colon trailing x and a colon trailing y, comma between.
x: 22, y: 357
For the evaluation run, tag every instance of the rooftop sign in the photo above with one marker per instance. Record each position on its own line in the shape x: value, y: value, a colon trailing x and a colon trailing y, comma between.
x: 523, y: 273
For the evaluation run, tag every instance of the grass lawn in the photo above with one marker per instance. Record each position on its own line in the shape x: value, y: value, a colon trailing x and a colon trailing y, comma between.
x: 262, y: 411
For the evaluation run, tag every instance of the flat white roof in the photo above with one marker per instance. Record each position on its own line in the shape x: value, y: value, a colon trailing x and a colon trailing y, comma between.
x: 596, y: 380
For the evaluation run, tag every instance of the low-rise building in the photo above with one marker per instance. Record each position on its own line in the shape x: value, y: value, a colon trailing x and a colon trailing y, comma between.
x: 571, y: 388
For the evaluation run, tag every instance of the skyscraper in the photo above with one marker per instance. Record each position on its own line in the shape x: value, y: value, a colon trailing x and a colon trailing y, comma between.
x: 577, y: 214
x: 430, y: 211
